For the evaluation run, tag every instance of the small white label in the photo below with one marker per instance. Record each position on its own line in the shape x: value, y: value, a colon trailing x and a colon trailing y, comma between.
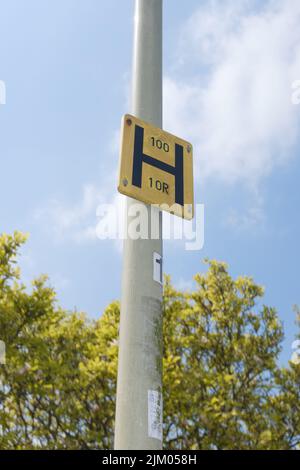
x: 157, y: 268
x: 155, y: 414
x: 2, y: 352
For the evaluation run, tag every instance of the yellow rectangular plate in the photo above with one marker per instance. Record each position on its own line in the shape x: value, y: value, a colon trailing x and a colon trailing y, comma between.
x: 156, y: 167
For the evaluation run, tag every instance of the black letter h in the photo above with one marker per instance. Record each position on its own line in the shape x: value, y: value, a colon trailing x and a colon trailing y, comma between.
x: 139, y: 158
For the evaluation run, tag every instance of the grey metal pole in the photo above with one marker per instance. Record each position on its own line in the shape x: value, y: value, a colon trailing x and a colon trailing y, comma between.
x: 139, y: 387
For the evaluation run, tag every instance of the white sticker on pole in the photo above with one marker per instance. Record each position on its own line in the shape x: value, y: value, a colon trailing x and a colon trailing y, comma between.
x: 157, y: 268
x: 2, y: 352
x: 155, y: 414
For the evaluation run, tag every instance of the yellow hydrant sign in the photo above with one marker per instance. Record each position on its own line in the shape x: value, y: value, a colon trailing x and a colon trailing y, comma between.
x: 156, y: 167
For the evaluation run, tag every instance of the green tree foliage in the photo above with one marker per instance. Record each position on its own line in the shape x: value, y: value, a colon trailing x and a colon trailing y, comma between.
x: 58, y: 384
x: 221, y: 379
x: 223, y: 388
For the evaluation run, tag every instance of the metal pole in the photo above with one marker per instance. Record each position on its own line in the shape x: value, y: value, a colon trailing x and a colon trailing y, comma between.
x: 139, y: 389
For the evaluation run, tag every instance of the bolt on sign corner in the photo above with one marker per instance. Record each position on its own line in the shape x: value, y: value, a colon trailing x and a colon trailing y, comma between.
x: 156, y: 167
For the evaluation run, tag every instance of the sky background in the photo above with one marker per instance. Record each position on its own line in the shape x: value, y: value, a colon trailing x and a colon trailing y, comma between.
x: 228, y: 71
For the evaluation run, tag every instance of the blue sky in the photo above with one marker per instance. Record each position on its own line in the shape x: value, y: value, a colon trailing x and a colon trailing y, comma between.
x: 228, y: 71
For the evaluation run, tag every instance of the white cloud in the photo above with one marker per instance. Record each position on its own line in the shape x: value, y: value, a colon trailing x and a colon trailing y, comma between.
x: 60, y: 282
x: 185, y: 284
x: 75, y: 222
x: 230, y: 95
x: 253, y: 217
x: 237, y: 110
